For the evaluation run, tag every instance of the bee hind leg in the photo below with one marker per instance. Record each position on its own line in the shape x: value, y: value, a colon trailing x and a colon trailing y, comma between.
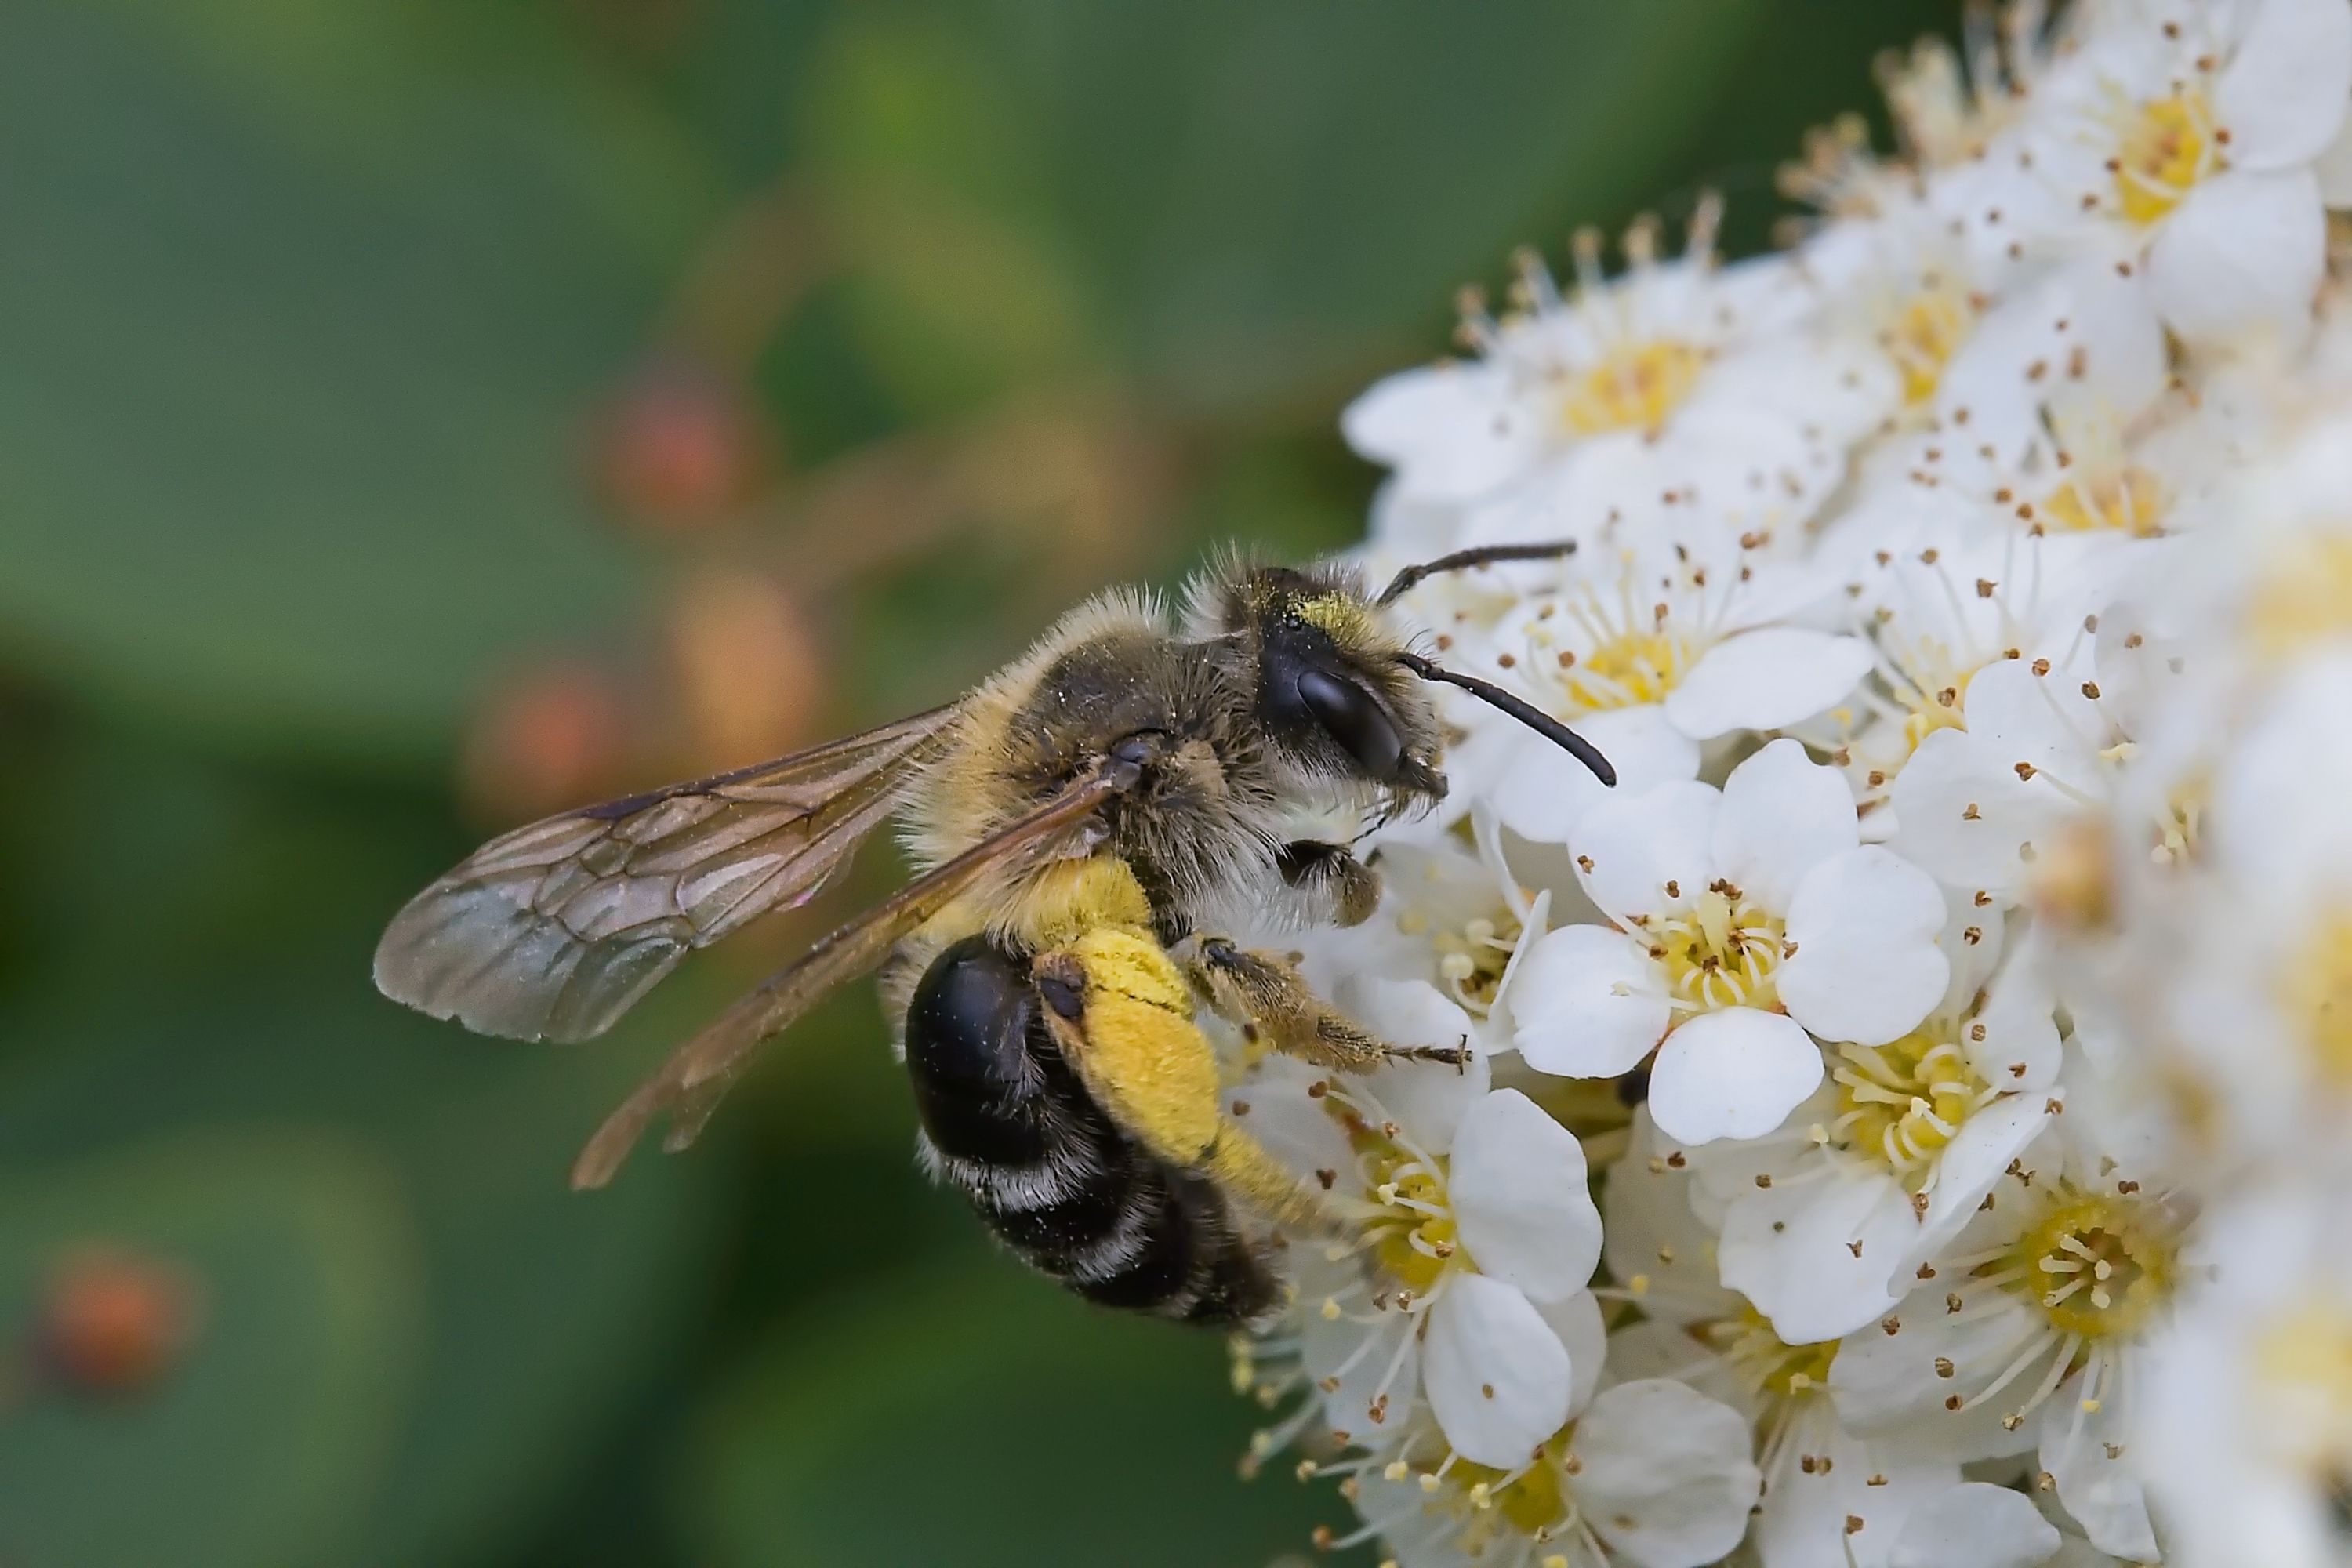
x: 1265, y: 994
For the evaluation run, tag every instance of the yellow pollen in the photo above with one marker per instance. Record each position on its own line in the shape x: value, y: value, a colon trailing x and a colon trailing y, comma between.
x: 2098, y: 1266
x: 1636, y: 386
x: 1414, y: 1235
x: 2319, y: 996
x: 1725, y: 952
x: 1531, y: 1502
x: 1925, y: 335
x: 1471, y: 961
x: 2164, y: 150
x: 1934, y: 705
x: 2131, y: 501
x: 1901, y: 1102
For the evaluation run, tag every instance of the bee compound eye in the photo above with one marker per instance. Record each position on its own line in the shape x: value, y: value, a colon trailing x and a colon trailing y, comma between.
x: 1353, y: 717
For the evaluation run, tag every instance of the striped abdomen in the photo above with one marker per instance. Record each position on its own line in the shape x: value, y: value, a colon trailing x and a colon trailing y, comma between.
x: 1007, y: 1123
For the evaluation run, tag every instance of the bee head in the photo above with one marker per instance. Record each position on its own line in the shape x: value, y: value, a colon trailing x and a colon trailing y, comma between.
x: 1336, y: 689
x: 1321, y: 662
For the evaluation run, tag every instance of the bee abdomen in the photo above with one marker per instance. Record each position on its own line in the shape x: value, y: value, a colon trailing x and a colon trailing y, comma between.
x: 1007, y: 1123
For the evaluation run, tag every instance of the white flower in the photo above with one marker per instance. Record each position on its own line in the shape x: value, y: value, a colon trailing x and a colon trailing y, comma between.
x: 1649, y: 656
x: 1976, y: 1525
x: 1649, y: 1472
x: 1828, y: 1492
x: 1476, y: 1235
x: 1825, y: 1220
x: 1739, y: 921
x: 2027, y: 1334
x: 2190, y: 132
x: 2248, y: 1416
x: 1619, y: 393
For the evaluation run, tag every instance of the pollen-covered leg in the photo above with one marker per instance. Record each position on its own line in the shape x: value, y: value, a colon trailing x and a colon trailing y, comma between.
x: 1263, y: 991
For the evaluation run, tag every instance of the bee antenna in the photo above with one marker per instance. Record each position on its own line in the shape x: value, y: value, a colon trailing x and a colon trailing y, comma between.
x: 1405, y: 582
x: 1534, y: 718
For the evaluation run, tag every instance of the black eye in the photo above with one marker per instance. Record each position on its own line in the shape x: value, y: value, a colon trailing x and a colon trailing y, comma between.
x: 1351, y: 716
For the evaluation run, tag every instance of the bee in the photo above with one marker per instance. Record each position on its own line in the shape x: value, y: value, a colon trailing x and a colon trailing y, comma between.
x: 1086, y: 820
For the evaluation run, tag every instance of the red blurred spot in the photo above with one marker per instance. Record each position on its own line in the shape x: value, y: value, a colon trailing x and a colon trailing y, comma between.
x: 114, y: 1322
x: 680, y: 449
x: 549, y: 738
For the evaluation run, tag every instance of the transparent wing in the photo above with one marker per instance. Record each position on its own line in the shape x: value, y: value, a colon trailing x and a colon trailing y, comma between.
x: 690, y: 1083
x: 551, y: 932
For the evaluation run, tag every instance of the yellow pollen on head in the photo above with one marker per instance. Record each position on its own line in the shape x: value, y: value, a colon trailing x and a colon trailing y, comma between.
x: 1923, y: 338
x: 2317, y: 992
x: 1724, y: 952
x: 2303, y: 597
x: 2130, y: 501
x: 2098, y: 1266
x: 1636, y: 386
x: 2164, y: 149
x: 1902, y: 1103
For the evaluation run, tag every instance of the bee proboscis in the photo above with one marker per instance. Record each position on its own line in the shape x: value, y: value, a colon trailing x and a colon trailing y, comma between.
x: 1084, y: 817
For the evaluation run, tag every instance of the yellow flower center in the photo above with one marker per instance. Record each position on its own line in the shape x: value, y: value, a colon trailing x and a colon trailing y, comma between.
x: 2302, y: 1364
x: 2304, y: 598
x: 1627, y: 671
x: 1933, y: 705
x: 1636, y: 386
x: 2318, y: 997
x: 1764, y: 1363
x: 1471, y: 960
x: 1411, y: 1229
x: 2131, y: 501
x: 2164, y: 150
x: 1900, y: 1103
x: 2099, y: 1266
x: 1925, y: 335
x: 1723, y: 951
x: 1534, y: 1500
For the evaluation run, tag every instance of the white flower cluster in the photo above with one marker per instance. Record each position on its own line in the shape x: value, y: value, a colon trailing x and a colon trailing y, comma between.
x: 1909, y: 1110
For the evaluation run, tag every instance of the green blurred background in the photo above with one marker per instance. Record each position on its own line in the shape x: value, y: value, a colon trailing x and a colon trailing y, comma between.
x: 419, y: 415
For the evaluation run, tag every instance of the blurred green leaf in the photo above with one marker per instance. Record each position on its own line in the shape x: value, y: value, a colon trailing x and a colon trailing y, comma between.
x: 306, y: 311
x: 983, y: 1418
x: 1239, y: 202
x: 214, y: 973
x: 265, y: 1437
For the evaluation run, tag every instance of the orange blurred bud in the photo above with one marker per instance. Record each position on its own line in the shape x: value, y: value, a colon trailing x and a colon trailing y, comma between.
x: 114, y: 1322
x: 680, y: 448
x: 2074, y: 884
x: 547, y: 738
x: 750, y: 674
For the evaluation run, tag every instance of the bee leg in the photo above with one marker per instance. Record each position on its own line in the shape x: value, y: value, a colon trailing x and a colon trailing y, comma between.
x: 1121, y: 1014
x: 1341, y: 889
x: 1265, y: 994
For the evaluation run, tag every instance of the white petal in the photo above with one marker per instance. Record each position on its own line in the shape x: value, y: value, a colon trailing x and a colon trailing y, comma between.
x: 1895, y: 1383
x: 1577, y: 1320
x: 2335, y: 170
x: 1847, y: 1510
x: 2284, y: 95
x: 1586, y: 1002
x: 1965, y: 818
x: 1629, y: 849
x: 2084, y: 1450
x: 1495, y: 1374
x: 1816, y: 1257
x: 1766, y: 679
x: 2241, y: 257
x: 1427, y: 1098
x: 2018, y: 1044
x: 1731, y: 1074
x: 1334, y: 1352
x: 1975, y: 1525
x: 1652, y: 1239
x: 2044, y: 721
x: 1452, y: 433
x: 1972, y: 1162
x: 1518, y: 1187
x: 1783, y: 813
x: 1866, y: 967
x: 1543, y: 794
x: 1666, y: 1478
